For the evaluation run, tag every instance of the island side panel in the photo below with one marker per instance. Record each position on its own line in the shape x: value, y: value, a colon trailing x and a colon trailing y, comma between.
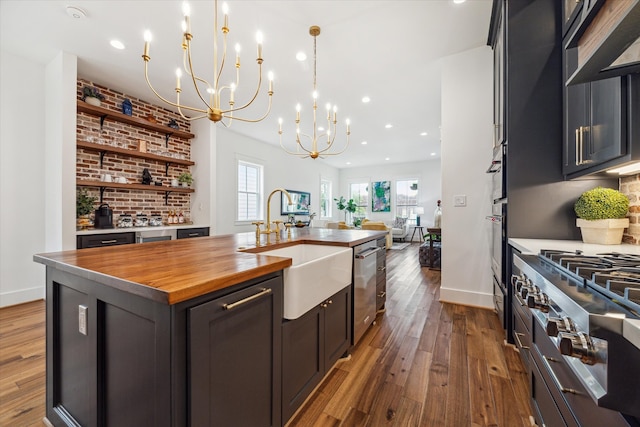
x: 116, y: 374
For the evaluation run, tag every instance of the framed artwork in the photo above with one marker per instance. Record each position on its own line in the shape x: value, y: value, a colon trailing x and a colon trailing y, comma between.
x: 381, y: 198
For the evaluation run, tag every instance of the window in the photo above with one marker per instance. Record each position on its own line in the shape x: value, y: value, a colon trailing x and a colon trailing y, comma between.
x: 360, y: 194
x: 407, y: 198
x: 249, y: 191
x: 325, y: 198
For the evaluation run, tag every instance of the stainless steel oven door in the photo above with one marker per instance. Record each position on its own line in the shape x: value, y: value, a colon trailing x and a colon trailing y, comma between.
x: 497, y: 169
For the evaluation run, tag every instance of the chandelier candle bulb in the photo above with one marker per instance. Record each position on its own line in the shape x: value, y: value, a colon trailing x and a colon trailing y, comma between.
x: 147, y: 41
x: 225, y: 11
x: 270, y: 75
x: 178, y: 76
x: 259, y: 40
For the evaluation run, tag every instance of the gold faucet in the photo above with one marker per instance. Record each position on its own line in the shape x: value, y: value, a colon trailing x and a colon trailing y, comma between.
x: 268, y: 230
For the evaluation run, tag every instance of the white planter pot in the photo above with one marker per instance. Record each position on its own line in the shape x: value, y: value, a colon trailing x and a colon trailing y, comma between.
x: 93, y: 101
x: 602, y: 231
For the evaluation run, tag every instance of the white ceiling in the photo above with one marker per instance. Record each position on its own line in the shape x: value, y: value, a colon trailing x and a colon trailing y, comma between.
x: 387, y: 50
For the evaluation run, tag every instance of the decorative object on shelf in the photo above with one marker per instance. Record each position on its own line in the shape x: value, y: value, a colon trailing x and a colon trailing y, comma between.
x: 602, y: 215
x: 314, y: 151
x: 142, y: 145
x: 84, y: 206
x: 381, y: 200
x: 127, y: 108
x: 437, y: 216
x: 146, y: 177
x: 420, y: 211
x: 185, y: 179
x: 213, y: 109
x: 151, y: 118
x: 104, y: 216
x: 173, y: 124
x: 91, y: 95
x: 347, y: 206
x: 175, y: 182
x: 158, y: 183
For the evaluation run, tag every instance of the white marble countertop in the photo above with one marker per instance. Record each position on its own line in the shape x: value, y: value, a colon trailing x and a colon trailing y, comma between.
x: 533, y: 246
x: 630, y: 327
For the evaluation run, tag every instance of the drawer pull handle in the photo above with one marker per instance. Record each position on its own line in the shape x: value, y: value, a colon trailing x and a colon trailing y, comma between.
x: 554, y: 377
x: 382, y: 268
x: 520, y: 301
x: 517, y: 337
x: 232, y: 305
x: 193, y: 234
x: 382, y: 294
x: 104, y: 242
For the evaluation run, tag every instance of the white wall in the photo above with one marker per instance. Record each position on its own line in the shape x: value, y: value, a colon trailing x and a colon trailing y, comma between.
x: 22, y: 146
x: 429, y: 190
x: 467, y: 106
x: 280, y: 170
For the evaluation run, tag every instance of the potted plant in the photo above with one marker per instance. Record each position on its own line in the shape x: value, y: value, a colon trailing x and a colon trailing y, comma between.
x: 602, y: 215
x: 185, y: 179
x: 91, y: 95
x: 84, y: 206
x: 347, y: 206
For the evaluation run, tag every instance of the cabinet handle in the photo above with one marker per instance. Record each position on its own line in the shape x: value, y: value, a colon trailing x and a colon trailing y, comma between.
x: 382, y: 294
x: 554, y: 377
x: 262, y: 292
x: 104, y: 242
x: 578, y: 147
x: 517, y: 337
x: 193, y: 234
x: 382, y: 268
x: 520, y: 301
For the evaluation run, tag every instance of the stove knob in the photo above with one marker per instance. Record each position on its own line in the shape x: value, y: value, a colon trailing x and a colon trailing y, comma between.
x: 578, y: 344
x: 539, y: 301
x: 531, y: 289
x: 556, y: 325
x: 515, y: 278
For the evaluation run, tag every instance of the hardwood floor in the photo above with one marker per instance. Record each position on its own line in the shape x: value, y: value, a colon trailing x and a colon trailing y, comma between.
x: 423, y: 363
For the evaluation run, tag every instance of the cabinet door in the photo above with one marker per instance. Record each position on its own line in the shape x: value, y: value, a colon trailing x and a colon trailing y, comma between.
x: 498, y: 82
x: 302, y: 358
x: 234, y: 345
x: 186, y: 233
x: 607, y: 122
x: 337, y: 326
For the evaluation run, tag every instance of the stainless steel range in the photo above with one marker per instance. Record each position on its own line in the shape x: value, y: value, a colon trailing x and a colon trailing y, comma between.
x: 569, y: 311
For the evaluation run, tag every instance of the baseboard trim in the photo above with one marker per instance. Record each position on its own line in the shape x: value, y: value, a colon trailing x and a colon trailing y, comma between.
x: 474, y: 299
x: 19, y: 297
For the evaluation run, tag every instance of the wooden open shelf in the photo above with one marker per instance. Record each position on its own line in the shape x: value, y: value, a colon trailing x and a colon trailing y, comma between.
x: 101, y: 148
x: 157, y: 188
x: 106, y: 114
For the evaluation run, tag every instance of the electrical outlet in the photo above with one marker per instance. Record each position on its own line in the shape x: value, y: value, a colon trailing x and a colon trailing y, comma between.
x: 460, y: 201
x: 82, y: 319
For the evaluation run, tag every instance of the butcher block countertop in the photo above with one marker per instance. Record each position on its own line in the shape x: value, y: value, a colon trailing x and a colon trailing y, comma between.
x: 178, y: 270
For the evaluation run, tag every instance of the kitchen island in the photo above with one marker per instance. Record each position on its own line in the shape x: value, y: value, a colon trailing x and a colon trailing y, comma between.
x: 175, y: 333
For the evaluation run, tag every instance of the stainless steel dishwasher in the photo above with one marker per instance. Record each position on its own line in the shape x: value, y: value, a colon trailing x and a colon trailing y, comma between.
x: 364, y: 284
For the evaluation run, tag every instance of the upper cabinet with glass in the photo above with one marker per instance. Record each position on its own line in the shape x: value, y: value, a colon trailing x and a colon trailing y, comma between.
x: 607, y: 40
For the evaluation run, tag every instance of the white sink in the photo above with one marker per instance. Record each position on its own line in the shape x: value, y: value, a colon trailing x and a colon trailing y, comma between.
x: 316, y: 273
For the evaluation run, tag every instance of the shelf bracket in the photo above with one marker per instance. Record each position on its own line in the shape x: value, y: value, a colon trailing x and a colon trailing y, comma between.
x: 166, y: 197
x: 166, y: 139
x: 102, y: 153
x: 102, y: 121
x: 166, y: 168
x: 102, y: 193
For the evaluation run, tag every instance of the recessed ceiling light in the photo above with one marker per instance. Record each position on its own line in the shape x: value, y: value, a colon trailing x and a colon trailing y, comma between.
x: 388, y: 126
x: 433, y: 154
x: 364, y: 143
x: 117, y: 44
x: 366, y: 99
x: 76, y: 12
x: 387, y: 158
x: 458, y: 1
x: 301, y: 56
x: 424, y: 134
x: 348, y: 163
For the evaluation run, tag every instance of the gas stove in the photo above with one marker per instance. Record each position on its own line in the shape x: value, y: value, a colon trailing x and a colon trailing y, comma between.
x: 616, y: 276
x: 577, y: 305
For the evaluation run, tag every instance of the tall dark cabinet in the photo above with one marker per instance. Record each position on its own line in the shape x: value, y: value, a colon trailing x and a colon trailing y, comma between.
x: 538, y: 201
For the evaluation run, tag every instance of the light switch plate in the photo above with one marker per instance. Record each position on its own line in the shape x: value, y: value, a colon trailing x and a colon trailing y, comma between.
x: 460, y: 201
x: 82, y: 319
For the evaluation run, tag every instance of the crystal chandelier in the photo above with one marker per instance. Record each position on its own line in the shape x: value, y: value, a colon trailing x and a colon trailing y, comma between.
x: 210, y: 92
x: 317, y: 148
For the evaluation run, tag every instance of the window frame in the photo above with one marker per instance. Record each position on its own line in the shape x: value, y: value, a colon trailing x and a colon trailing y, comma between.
x: 410, y: 208
x: 328, y: 214
x: 259, y: 192
x: 362, y: 209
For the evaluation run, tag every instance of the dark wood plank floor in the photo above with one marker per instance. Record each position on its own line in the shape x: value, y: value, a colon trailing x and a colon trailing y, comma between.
x: 423, y: 363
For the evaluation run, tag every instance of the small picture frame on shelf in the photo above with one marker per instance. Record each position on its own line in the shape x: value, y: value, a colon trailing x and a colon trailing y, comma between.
x: 142, y: 146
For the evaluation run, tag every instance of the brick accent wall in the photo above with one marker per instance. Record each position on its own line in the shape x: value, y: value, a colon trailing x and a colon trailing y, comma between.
x: 124, y: 201
x: 630, y: 186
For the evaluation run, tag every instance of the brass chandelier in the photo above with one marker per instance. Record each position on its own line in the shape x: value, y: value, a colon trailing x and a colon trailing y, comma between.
x: 318, y: 148
x: 210, y: 93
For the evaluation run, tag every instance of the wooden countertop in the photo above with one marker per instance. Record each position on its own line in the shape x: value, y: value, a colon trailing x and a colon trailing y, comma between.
x: 178, y: 270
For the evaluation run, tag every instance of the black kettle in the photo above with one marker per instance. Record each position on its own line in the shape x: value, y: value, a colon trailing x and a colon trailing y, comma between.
x: 104, y: 216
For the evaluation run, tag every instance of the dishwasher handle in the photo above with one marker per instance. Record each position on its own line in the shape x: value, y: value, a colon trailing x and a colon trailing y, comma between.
x: 367, y: 252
